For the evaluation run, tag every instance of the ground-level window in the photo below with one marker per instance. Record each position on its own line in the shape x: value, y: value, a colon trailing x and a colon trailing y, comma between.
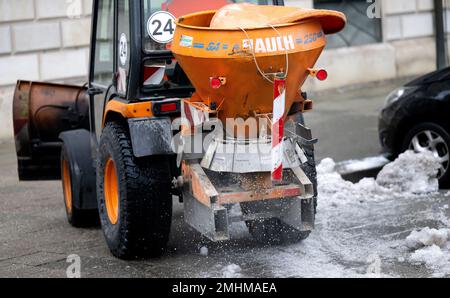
x: 360, y: 29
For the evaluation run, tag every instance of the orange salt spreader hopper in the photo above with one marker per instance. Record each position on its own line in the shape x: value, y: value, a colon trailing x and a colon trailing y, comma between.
x: 231, y: 55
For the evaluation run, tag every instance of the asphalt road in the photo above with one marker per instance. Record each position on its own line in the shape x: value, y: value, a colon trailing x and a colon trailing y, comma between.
x: 35, y: 239
x: 346, y: 121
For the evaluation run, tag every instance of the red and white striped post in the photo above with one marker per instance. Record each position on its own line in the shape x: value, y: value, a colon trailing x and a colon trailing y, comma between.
x: 279, y: 106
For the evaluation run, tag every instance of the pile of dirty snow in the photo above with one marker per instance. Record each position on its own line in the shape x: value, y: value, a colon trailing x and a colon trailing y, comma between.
x: 431, y: 248
x: 411, y: 174
x: 427, y: 237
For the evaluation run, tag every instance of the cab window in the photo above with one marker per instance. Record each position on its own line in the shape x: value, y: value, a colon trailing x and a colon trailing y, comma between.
x: 104, y: 43
x: 123, y: 46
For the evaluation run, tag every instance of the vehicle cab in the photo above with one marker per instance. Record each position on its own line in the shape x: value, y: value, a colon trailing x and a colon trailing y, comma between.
x: 133, y: 73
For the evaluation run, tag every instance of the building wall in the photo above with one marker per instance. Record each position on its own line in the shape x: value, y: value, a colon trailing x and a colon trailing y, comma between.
x: 42, y: 40
x: 408, y: 48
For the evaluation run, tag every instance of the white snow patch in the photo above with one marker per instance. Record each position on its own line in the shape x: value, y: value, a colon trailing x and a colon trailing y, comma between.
x: 204, y: 251
x: 410, y: 174
x: 432, y: 249
x: 232, y: 271
x: 432, y: 256
x: 351, y: 166
x: 427, y: 237
x: 340, y: 245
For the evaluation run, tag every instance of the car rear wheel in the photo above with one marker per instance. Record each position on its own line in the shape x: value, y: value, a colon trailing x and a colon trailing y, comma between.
x: 135, y: 201
x: 431, y: 137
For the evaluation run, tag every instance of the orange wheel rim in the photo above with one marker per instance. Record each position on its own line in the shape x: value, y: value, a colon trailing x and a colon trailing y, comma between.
x: 67, y: 185
x: 111, y: 190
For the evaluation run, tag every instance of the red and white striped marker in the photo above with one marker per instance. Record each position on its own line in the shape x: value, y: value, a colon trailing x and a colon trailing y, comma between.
x: 279, y: 106
x: 192, y: 115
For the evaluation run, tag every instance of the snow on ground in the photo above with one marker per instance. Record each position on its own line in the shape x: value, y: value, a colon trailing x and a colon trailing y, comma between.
x: 352, y: 166
x: 427, y: 237
x: 232, y: 271
x: 411, y: 173
x: 431, y: 247
x: 358, y: 228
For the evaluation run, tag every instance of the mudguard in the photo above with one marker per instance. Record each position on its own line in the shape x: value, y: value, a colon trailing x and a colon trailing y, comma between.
x: 151, y: 136
x: 77, y: 146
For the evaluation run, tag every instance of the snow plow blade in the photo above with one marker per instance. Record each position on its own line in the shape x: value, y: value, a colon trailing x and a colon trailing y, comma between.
x: 41, y: 112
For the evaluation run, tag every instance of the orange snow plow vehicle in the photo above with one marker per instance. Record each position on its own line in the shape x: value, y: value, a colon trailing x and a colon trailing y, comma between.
x: 207, y: 107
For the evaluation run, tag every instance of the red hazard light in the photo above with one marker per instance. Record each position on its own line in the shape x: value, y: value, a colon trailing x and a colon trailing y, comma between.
x: 322, y: 75
x: 215, y: 83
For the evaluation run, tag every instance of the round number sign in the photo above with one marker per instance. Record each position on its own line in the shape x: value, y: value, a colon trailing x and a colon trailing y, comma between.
x: 123, y: 49
x: 161, y: 26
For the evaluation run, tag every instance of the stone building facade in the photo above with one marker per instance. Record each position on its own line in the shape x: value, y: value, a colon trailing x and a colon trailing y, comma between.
x: 48, y: 40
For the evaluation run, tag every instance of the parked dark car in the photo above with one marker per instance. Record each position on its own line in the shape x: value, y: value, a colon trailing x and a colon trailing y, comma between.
x: 417, y: 116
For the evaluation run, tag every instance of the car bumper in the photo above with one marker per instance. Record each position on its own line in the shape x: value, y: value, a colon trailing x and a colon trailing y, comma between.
x: 387, y: 136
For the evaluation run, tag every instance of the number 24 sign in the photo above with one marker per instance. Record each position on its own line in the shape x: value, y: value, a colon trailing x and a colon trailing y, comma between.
x: 161, y: 26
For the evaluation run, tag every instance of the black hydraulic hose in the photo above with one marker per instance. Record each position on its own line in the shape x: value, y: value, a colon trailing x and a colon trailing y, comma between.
x: 106, y: 98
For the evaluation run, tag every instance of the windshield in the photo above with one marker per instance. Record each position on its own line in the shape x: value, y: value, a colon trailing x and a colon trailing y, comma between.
x: 159, y: 28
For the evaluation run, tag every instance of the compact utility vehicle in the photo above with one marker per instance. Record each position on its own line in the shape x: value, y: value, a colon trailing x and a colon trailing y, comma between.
x: 120, y: 154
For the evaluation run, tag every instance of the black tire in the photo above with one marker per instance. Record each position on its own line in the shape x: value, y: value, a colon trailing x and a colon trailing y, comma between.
x: 77, y: 217
x: 444, y: 180
x: 144, y: 198
x: 273, y: 231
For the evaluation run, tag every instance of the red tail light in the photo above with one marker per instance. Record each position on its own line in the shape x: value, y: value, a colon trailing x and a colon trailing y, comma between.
x: 322, y: 75
x: 215, y: 83
x: 169, y: 107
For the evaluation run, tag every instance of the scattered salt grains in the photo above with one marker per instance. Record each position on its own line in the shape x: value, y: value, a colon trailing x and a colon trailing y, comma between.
x: 204, y: 251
